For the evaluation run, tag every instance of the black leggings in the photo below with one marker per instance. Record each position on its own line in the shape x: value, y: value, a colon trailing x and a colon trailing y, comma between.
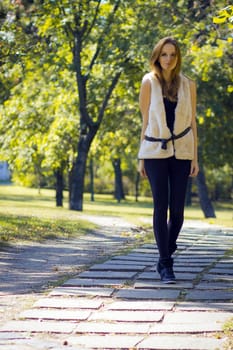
x: 168, y: 180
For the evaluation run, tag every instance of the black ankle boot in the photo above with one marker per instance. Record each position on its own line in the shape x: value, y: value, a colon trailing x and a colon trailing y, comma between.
x: 165, y: 269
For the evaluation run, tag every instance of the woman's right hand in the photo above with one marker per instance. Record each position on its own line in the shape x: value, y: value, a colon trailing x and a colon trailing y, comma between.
x: 141, y: 168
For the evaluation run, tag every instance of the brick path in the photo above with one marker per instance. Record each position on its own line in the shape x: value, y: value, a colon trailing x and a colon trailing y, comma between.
x: 121, y: 304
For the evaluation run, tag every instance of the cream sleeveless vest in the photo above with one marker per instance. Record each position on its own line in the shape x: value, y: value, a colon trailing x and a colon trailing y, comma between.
x: 181, y: 148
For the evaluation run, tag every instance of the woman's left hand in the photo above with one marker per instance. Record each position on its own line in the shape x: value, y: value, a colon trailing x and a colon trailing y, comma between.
x: 194, y: 169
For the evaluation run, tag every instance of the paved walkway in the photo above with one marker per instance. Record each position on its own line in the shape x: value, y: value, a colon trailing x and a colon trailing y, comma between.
x: 121, y: 304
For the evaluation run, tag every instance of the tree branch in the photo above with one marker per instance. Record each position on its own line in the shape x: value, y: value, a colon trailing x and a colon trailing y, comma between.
x: 108, y: 95
x: 85, y: 120
x: 94, y: 20
x: 67, y: 28
x: 104, y: 32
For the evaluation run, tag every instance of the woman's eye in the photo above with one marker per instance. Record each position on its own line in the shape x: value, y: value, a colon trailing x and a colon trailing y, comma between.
x: 166, y: 55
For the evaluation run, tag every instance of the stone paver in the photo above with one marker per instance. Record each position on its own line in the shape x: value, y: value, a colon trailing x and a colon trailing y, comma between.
x: 117, y: 267
x: 105, y: 341
x: 213, y: 318
x: 79, y: 282
x: 38, y: 327
x: 220, y: 278
x: 78, y: 291
x: 179, y: 275
x: 209, y: 295
x: 114, y: 327
x: 184, y: 328
x: 107, y: 274
x: 180, y: 342
x: 121, y: 304
x: 157, y: 284
x: 147, y: 294
x: 141, y: 305
x: 131, y: 258
x: 42, y: 314
x: 213, y: 285
x: 222, y: 271
x: 128, y: 316
x: 203, y: 306
x: 68, y: 303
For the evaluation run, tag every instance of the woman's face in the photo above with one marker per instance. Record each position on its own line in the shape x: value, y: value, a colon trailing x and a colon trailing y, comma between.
x: 168, y: 57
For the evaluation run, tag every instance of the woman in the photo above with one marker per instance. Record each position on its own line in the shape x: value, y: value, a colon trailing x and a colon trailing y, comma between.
x: 168, y: 149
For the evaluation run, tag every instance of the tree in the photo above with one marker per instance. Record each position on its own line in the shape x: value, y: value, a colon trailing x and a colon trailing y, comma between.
x: 39, y: 128
x: 92, y: 55
x: 98, y: 61
x: 211, y: 61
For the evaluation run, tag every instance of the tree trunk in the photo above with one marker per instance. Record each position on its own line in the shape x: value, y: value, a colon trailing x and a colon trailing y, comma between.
x: 205, y: 202
x: 78, y: 174
x: 137, y: 186
x: 188, y: 198
x: 59, y: 188
x: 92, y: 180
x: 119, y: 191
x: 70, y: 181
x: 88, y: 128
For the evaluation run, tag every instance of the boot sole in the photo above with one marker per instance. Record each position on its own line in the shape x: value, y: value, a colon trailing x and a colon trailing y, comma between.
x: 169, y: 282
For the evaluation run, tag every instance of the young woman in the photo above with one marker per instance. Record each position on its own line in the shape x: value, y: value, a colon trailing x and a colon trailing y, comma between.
x: 168, y: 149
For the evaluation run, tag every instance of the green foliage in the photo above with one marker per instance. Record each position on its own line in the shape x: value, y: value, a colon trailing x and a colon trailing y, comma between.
x: 224, y: 15
x: 219, y: 183
x: 46, y: 108
x: 212, y: 64
x: 39, y: 128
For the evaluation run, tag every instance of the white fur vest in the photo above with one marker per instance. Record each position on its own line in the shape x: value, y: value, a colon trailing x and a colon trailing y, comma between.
x: 157, y: 129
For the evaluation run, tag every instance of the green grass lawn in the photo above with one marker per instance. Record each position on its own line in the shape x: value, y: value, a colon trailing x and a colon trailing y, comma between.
x: 26, y: 214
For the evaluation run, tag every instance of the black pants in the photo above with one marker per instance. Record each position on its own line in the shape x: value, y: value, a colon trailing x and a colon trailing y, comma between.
x: 168, y: 180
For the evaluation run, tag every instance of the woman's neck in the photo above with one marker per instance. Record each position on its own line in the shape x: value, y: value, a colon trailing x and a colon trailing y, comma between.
x: 167, y: 76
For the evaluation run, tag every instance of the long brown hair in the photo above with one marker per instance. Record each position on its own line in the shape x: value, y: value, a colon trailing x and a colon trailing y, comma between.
x: 168, y: 91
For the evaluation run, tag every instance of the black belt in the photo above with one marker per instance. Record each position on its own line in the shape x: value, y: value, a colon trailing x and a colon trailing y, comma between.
x: 165, y: 141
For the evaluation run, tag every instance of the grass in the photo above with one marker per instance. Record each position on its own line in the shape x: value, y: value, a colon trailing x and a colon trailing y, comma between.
x: 14, y: 228
x: 26, y: 214
x: 29, y: 216
x: 228, y: 331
